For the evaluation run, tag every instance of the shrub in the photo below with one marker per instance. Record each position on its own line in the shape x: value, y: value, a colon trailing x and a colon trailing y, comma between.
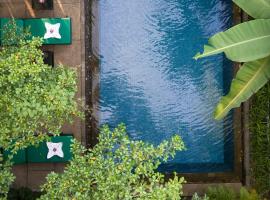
x: 35, y: 99
x: 226, y: 193
x: 260, y: 140
x: 245, y: 195
x: 197, y: 197
x: 6, y: 177
x: 116, y: 168
x: 221, y: 193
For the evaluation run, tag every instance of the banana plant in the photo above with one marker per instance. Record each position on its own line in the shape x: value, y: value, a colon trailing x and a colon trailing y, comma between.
x: 248, y: 42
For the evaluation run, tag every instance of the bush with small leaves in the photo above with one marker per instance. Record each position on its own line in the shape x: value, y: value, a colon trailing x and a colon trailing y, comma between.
x: 117, y: 168
x: 35, y: 99
x: 6, y: 177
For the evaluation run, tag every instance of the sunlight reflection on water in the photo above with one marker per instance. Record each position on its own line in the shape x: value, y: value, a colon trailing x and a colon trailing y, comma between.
x: 149, y: 81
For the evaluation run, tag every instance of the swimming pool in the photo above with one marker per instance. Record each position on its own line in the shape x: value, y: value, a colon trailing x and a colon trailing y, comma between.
x: 149, y: 81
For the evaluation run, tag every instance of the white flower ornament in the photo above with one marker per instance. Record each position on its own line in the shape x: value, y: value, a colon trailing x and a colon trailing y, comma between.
x: 55, y: 149
x: 52, y: 31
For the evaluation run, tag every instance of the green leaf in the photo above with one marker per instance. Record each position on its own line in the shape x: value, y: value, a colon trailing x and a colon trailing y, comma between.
x: 242, y: 43
x: 249, y: 79
x: 259, y: 9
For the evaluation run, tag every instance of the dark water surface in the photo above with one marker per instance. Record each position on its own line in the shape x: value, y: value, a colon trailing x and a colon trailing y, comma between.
x: 149, y: 81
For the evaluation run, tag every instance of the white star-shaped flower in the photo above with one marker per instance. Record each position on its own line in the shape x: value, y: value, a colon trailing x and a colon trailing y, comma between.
x: 52, y: 31
x: 55, y: 149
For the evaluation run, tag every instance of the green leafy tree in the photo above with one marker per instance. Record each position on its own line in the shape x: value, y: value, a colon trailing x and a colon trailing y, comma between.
x: 248, y: 42
x: 116, y: 168
x: 6, y: 177
x: 35, y: 99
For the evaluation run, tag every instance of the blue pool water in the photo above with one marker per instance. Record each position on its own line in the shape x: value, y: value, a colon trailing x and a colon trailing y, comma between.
x: 149, y: 81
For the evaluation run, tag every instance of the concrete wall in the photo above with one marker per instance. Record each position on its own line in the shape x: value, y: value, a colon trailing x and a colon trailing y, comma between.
x: 32, y: 175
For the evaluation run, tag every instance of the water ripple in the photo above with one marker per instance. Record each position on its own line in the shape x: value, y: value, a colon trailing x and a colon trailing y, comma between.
x: 149, y: 80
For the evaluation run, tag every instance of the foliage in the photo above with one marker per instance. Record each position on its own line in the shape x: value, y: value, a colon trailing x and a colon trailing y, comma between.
x: 255, y: 8
x: 244, y: 85
x: 226, y: 193
x: 260, y: 140
x: 245, y: 195
x: 35, y: 99
x: 116, y: 168
x: 221, y: 193
x: 241, y: 41
x: 6, y: 177
x: 197, y: 197
x: 247, y: 42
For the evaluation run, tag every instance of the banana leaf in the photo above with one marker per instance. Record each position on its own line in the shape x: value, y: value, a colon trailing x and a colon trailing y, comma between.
x: 242, y: 43
x: 259, y: 9
x: 249, y: 79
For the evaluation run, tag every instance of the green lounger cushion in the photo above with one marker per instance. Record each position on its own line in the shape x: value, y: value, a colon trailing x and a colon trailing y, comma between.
x: 19, y: 158
x: 59, y: 152
x: 52, y: 30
